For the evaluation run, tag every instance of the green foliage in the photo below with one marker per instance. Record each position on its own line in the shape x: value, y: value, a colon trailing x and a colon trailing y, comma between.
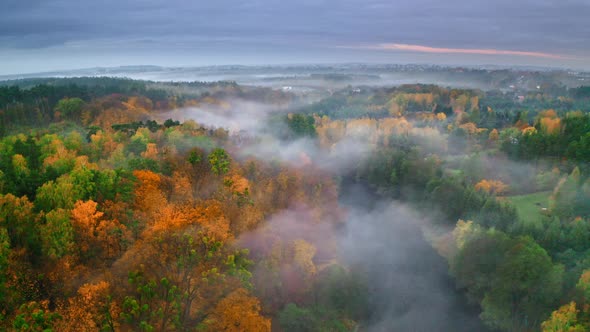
x: 530, y: 207
x: 57, y: 234
x: 4, y: 255
x: 156, y: 304
x: 320, y: 319
x: 219, y: 161
x: 60, y: 194
x: 70, y: 107
x: 195, y: 156
x: 294, y: 318
x: 34, y: 317
x: 514, y: 279
x: 342, y: 291
x: 301, y: 125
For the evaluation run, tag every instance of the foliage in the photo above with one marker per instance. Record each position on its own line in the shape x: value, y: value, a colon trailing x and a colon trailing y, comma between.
x: 219, y: 161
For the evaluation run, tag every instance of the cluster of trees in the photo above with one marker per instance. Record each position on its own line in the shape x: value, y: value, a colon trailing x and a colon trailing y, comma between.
x: 516, y: 269
x: 551, y: 136
x: 110, y: 222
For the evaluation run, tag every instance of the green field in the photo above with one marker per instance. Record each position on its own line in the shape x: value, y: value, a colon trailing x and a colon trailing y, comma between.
x: 530, y: 206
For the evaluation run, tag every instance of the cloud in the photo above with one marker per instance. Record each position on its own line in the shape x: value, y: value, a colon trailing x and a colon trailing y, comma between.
x: 476, y: 51
x: 222, y: 32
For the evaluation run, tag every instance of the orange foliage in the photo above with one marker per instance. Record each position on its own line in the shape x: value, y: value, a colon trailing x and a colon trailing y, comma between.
x: 148, y: 195
x: 209, y: 214
x: 491, y: 186
x: 494, y: 136
x: 471, y: 128
x: 551, y: 125
x: 90, y: 310
x: 548, y: 114
x: 151, y: 151
x: 529, y: 130
x: 237, y: 183
x: 238, y: 312
x: 182, y: 190
x: 95, y: 233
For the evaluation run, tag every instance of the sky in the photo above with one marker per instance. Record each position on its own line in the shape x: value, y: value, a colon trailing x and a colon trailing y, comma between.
x: 47, y: 35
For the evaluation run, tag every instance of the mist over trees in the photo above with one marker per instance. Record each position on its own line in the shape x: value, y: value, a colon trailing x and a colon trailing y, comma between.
x: 145, y: 206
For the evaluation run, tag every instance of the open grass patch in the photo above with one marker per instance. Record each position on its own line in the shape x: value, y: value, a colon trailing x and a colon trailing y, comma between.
x: 531, y: 207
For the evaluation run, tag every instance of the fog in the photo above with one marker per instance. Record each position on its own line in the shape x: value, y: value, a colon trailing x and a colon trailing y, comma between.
x: 411, y: 290
x: 304, y: 79
x: 409, y: 284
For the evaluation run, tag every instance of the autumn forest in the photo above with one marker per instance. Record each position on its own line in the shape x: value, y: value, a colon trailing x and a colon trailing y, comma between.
x: 133, y: 205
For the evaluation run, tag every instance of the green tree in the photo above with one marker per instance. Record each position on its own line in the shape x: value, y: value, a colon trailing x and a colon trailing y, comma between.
x: 219, y: 161
x: 57, y: 234
x: 70, y: 108
x: 525, y: 287
x: 4, y: 254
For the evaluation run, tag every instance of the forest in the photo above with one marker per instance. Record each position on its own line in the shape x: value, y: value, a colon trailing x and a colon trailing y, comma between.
x: 130, y: 205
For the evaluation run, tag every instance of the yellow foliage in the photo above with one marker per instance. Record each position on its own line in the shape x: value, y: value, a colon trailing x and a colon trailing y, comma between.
x: 494, y: 135
x: 529, y: 130
x: 303, y: 256
x: 19, y: 164
x: 462, y: 231
x: 471, y: 128
x: 563, y: 319
x: 238, y: 312
x: 491, y: 186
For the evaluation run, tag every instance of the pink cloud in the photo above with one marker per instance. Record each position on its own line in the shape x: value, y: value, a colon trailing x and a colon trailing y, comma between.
x: 428, y: 49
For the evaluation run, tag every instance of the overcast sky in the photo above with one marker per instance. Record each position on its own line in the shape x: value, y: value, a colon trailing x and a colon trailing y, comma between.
x: 41, y: 35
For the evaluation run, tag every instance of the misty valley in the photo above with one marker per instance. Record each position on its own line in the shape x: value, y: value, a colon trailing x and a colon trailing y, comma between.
x: 295, y: 198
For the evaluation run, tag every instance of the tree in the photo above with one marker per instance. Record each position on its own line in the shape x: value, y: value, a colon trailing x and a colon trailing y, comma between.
x: 178, y: 277
x: 96, y: 236
x: 301, y: 125
x: 148, y: 195
x: 18, y: 218
x: 4, y: 260
x: 156, y: 305
x: 92, y: 309
x: 494, y: 135
x: 219, y: 161
x: 491, y: 186
x: 70, y: 108
x: 35, y: 316
x: 57, y: 234
x: 564, y: 319
x: 60, y: 194
x: 583, y: 285
x: 294, y: 318
x: 525, y: 286
x: 238, y: 312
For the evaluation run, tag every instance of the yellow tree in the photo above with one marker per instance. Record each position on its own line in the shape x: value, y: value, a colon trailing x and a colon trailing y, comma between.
x: 564, y: 319
x: 494, y: 136
x: 238, y: 312
x: 491, y: 186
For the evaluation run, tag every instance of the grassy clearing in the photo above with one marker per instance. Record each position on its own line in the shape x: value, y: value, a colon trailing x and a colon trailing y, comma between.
x: 530, y: 206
